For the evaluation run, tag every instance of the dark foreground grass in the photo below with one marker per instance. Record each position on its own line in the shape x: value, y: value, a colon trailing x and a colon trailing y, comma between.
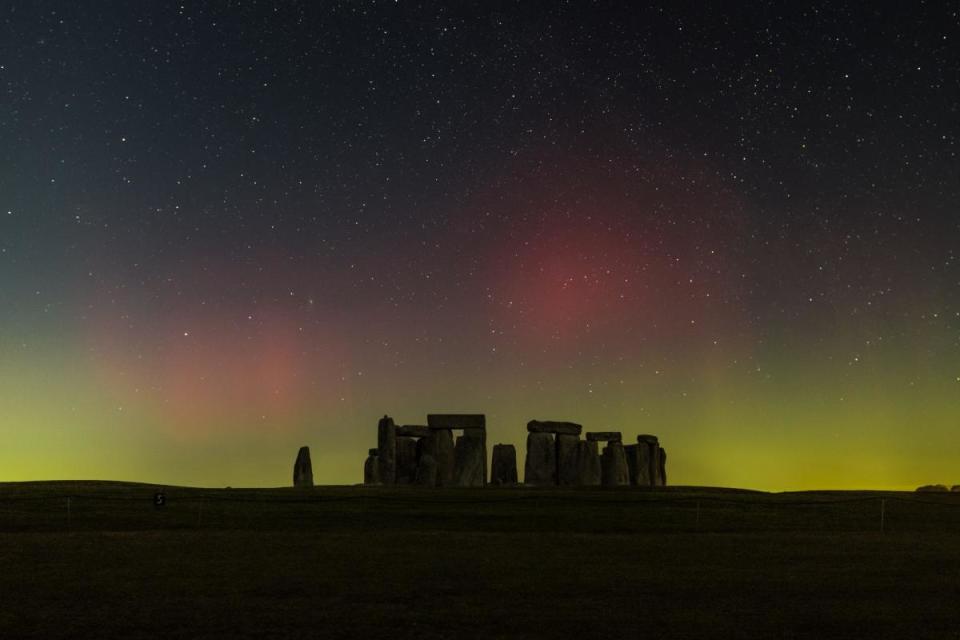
x: 357, y: 562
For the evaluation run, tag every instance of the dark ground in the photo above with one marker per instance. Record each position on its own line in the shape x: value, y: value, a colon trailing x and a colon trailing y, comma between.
x: 346, y: 562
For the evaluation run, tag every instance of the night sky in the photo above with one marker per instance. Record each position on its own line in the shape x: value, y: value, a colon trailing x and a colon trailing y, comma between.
x: 230, y: 229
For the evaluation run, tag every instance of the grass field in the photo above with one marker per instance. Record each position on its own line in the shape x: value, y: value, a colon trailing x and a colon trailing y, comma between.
x: 353, y: 562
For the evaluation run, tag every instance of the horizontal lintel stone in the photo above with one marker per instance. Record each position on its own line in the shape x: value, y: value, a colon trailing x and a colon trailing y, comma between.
x: 457, y: 421
x: 604, y: 436
x: 549, y: 426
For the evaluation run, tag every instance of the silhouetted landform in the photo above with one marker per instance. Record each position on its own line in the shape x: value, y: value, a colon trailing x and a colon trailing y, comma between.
x: 303, y: 469
x: 401, y: 562
x: 936, y: 488
x: 429, y: 456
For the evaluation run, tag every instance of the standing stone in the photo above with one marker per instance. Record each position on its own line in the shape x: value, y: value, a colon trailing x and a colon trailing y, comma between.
x: 480, y: 435
x: 371, y: 469
x: 630, y: 451
x: 446, y: 458
x: 613, y: 466
x: 468, y: 462
x: 644, y: 465
x: 662, y: 476
x: 439, y: 446
x: 426, y: 471
x: 387, y: 446
x: 648, y: 460
x: 567, y: 460
x: 473, y: 424
x: 421, y: 449
x: 504, y: 467
x: 302, y: 469
x: 406, y: 461
x: 588, y: 463
x: 540, y: 467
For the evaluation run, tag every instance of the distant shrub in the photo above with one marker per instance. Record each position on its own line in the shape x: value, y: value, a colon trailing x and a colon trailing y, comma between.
x: 934, y: 488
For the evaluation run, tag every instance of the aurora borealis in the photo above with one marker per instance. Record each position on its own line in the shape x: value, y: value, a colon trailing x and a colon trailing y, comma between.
x: 231, y: 229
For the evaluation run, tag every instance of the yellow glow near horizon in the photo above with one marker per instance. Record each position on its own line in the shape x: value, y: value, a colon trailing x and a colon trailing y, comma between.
x: 791, y: 429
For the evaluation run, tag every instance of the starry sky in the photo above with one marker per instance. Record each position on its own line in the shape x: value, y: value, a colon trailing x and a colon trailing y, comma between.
x: 231, y: 229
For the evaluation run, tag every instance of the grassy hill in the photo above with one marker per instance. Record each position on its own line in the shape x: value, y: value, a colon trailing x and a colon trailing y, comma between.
x: 374, y: 562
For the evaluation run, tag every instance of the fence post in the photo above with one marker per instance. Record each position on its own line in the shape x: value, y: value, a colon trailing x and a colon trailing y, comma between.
x: 69, y: 524
x: 698, y: 514
x: 200, y: 514
x: 883, y: 514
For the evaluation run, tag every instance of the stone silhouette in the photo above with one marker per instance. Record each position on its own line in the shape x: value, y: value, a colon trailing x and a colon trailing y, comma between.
x: 604, y: 436
x: 439, y: 446
x: 474, y: 425
x: 426, y: 471
x: 426, y: 454
x: 406, y: 463
x: 303, y: 469
x: 540, y: 467
x: 630, y: 451
x: 387, y: 446
x: 468, y: 461
x: 662, y: 475
x: 648, y: 461
x: 643, y: 477
x: 413, y: 431
x: 503, y: 470
x: 588, y: 463
x: 566, y: 428
x: 613, y: 466
x: 430, y: 455
x: 371, y: 468
x: 457, y: 421
x: 567, y: 472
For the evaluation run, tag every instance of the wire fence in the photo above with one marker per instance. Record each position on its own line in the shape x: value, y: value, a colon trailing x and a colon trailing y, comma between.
x: 597, y: 511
